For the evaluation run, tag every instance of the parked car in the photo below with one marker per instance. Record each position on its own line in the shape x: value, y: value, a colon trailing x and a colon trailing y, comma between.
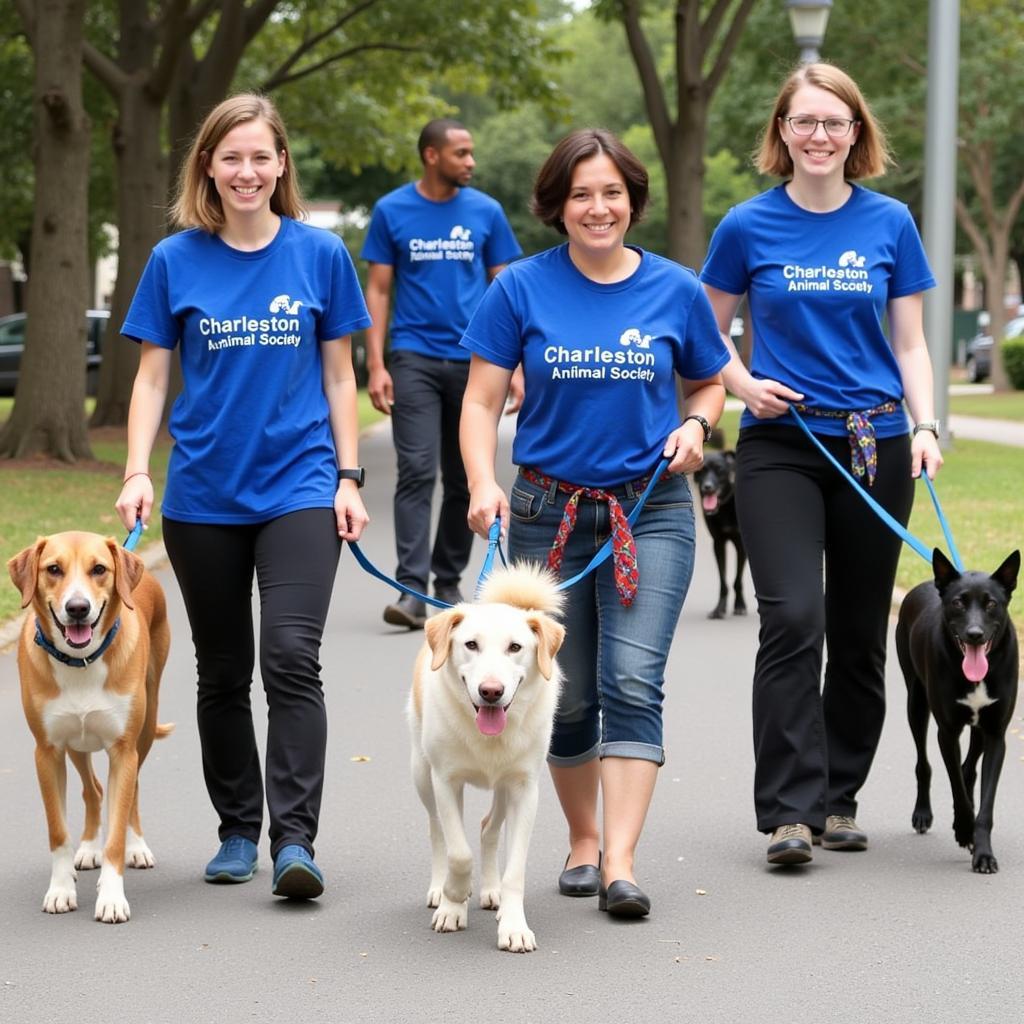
x: 978, y: 362
x: 12, y: 344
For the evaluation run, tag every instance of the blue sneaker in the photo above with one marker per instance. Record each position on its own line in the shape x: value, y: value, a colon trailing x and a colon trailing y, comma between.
x: 296, y: 876
x: 235, y: 861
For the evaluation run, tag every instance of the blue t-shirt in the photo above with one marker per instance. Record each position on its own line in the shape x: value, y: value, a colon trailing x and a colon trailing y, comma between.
x: 440, y: 253
x: 817, y: 287
x: 599, y: 359
x: 251, y: 426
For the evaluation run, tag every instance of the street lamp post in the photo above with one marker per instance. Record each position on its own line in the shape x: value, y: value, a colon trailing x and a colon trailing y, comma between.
x: 809, y: 19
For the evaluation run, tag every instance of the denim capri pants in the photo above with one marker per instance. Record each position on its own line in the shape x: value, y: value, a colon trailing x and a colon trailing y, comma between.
x: 613, y: 658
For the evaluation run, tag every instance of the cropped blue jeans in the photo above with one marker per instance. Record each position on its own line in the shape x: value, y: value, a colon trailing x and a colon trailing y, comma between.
x: 613, y: 658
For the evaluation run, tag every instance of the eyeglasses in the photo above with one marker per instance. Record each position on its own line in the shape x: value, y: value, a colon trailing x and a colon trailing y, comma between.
x: 835, y: 127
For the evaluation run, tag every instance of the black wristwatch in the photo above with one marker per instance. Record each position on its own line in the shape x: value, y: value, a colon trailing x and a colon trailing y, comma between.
x: 358, y: 474
x: 704, y: 425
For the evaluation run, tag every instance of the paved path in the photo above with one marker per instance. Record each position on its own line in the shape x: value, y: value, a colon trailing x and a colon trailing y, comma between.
x: 902, y: 933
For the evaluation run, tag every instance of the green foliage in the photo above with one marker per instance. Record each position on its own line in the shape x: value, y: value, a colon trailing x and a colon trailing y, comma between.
x: 16, y: 182
x: 1013, y: 361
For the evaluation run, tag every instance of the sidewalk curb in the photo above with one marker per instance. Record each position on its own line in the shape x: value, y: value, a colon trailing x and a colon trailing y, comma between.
x: 153, y: 557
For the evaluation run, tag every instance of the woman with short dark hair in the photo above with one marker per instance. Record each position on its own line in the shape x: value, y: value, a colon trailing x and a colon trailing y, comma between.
x: 603, y: 330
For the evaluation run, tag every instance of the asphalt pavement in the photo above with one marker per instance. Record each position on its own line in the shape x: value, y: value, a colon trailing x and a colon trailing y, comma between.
x: 902, y: 932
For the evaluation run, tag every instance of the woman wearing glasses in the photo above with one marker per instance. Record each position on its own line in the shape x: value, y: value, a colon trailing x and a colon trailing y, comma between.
x: 823, y: 262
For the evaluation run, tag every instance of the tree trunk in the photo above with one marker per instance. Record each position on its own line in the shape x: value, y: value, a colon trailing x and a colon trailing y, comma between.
x: 142, y: 222
x: 48, y: 413
x: 685, y: 183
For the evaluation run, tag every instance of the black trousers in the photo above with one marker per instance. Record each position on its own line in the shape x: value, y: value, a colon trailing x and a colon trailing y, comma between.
x: 823, y: 565
x: 295, y: 558
x: 425, y: 427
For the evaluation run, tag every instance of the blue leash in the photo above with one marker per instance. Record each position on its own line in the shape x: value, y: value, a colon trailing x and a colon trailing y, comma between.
x: 494, y: 547
x: 897, y: 527
x: 133, y: 538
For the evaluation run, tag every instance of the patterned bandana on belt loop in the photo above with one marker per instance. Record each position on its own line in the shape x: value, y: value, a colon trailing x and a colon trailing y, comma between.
x: 860, y: 432
x: 627, y: 575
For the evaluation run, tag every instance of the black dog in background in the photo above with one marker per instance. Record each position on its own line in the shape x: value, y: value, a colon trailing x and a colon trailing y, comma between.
x: 958, y: 651
x: 716, y: 482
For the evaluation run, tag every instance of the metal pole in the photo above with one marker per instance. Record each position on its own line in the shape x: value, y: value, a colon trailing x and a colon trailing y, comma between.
x: 940, y: 192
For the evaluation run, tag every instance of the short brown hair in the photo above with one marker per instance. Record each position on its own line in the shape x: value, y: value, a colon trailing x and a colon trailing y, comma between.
x: 869, y: 155
x: 554, y: 179
x: 197, y: 204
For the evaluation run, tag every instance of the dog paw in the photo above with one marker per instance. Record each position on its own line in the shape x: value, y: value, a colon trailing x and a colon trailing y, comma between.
x: 449, y: 917
x: 60, y: 899
x: 137, y: 853
x: 490, y: 897
x: 434, y: 895
x: 89, y: 854
x: 740, y: 609
x: 963, y: 831
x: 516, y: 937
x: 111, y: 904
x: 984, y: 863
x: 717, y: 613
x: 921, y: 820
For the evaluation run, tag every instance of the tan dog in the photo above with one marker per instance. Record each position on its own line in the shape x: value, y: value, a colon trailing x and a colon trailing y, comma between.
x: 483, y: 701
x: 90, y: 660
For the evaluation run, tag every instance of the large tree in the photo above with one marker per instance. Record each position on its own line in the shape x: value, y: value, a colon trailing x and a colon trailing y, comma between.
x: 48, y: 411
x: 704, y: 36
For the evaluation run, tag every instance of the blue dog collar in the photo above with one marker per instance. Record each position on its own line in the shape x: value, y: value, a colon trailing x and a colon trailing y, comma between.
x: 67, y: 659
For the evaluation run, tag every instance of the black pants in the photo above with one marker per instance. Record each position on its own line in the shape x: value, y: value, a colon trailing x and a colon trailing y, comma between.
x: 295, y: 558
x: 425, y: 427
x: 814, y: 743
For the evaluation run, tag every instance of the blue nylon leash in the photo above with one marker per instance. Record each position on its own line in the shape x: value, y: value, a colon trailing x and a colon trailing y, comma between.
x: 897, y: 527
x: 133, y: 538
x: 494, y: 547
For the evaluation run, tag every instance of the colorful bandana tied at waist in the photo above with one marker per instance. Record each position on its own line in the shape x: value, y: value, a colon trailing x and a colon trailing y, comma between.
x: 860, y: 432
x: 627, y: 575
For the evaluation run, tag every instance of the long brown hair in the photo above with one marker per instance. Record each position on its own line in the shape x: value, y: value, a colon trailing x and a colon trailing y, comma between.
x: 197, y: 203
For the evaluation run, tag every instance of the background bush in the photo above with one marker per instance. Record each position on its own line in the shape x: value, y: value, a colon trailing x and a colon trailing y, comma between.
x: 1013, y: 361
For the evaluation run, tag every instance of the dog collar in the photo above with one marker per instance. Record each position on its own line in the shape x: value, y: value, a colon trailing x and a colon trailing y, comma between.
x: 67, y: 659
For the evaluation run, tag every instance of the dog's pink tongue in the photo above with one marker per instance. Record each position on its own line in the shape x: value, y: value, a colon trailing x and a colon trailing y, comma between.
x: 491, y: 721
x: 710, y: 502
x: 78, y: 634
x: 975, y: 663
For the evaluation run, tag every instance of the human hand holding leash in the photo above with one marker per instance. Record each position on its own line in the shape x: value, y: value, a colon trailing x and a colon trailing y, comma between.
x: 685, y: 447
x: 925, y: 451
x: 351, y: 514
x: 768, y: 399
x: 135, y: 502
x: 487, y: 502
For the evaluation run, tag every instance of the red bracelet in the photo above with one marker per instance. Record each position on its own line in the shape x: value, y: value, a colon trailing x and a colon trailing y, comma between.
x: 141, y: 472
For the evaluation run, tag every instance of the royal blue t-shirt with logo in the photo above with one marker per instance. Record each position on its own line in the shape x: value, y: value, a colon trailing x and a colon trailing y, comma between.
x: 251, y: 426
x: 440, y: 252
x: 600, y: 361
x: 817, y: 286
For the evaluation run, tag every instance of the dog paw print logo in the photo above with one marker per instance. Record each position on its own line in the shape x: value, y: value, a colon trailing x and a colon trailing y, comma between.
x: 633, y: 337
x: 851, y: 259
x: 460, y: 234
x: 284, y: 304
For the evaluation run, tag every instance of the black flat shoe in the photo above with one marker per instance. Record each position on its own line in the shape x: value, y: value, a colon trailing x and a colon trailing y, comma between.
x: 584, y: 880
x: 624, y: 899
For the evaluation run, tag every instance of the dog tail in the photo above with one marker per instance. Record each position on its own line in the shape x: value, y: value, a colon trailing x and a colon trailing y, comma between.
x: 526, y: 585
x: 164, y: 729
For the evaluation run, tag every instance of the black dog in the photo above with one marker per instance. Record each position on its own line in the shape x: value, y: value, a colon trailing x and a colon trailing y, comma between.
x: 716, y: 481
x: 958, y: 651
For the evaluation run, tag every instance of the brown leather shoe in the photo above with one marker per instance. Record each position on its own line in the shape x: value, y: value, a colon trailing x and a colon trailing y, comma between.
x: 790, y: 844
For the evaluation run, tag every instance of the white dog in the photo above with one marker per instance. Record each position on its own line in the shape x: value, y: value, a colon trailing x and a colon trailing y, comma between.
x: 481, y: 709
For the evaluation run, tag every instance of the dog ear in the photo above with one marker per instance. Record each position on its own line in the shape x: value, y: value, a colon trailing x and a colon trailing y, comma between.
x: 128, y: 570
x: 550, y: 635
x: 24, y: 567
x: 1006, y: 574
x: 438, y: 631
x: 945, y: 572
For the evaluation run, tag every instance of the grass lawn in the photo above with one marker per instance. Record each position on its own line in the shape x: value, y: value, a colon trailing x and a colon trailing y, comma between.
x: 78, y: 497
x: 1004, y: 405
